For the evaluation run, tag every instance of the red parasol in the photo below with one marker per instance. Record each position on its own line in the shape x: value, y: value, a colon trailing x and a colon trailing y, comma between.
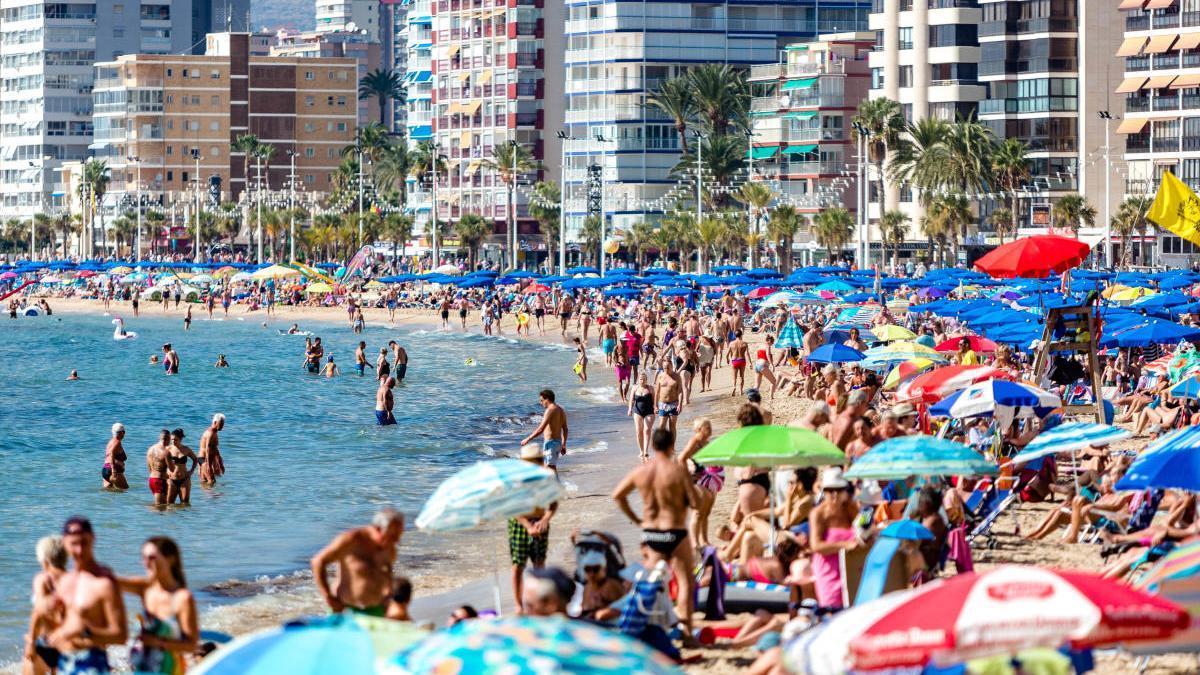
x: 978, y: 344
x: 761, y: 292
x: 1033, y: 257
x: 937, y: 384
x: 537, y: 288
x: 1010, y: 608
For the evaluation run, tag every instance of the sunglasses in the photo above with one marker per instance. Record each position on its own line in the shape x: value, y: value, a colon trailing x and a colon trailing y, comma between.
x: 592, y: 569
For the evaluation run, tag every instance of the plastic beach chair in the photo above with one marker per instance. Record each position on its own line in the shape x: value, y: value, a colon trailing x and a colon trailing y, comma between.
x: 881, y: 567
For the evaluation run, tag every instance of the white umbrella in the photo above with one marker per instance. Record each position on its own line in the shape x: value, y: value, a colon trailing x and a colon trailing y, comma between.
x: 488, y: 491
x: 448, y: 269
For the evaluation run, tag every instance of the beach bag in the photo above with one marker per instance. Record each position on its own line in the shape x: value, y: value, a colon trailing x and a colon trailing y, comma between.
x: 714, y: 603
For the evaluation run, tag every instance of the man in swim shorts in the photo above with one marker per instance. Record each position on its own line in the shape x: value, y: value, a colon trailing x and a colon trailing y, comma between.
x: 553, y: 430
x: 384, y: 401
x: 364, y: 557
x: 400, y: 359
x: 113, y: 471
x: 666, y: 489
x: 94, y: 613
x: 608, y: 341
x: 529, y: 535
x: 566, y: 307
x: 156, y: 464
x: 668, y: 388
x: 360, y: 359
x: 738, y: 353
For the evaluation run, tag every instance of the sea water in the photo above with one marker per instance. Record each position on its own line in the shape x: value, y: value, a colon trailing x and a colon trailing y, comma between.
x: 303, y: 456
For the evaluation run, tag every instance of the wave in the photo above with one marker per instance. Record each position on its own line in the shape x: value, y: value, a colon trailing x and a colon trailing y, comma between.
x: 570, y: 487
x: 599, y: 394
x: 588, y: 448
x: 487, y: 450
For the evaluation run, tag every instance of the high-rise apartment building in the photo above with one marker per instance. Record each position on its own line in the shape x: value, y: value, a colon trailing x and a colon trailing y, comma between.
x: 486, y: 65
x: 329, y: 44
x: 47, y: 52
x: 1161, y: 124
x: 349, y: 15
x: 393, y: 30
x: 1050, y: 70
x: 617, y: 53
x: 801, y: 118
x: 167, y: 122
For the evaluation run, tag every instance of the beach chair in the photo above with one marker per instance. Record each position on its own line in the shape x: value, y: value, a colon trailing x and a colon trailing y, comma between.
x: 647, y: 613
x: 990, y: 508
x: 1186, y: 594
x: 883, y: 572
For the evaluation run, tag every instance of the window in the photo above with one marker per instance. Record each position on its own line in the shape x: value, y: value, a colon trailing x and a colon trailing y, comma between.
x: 185, y: 72
x: 170, y: 176
x: 341, y: 126
x: 214, y: 151
x: 215, y: 100
x: 215, y: 74
x: 195, y: 100
x: 118, y: 9
x: 341, y: 100
x: 309, y: 101
x: 906, y: 76
x: 906, y: 38
x: 310, y: 152
x: 170, y: 98
x: 309, y: 75
x: 170, y: 72
x: 214, y: 126
x: 183, y: 177
x: 170, y: 124
x: 332, y: 153
x: 196, y: 74
x: 309, y: 178
x: 310, y: 127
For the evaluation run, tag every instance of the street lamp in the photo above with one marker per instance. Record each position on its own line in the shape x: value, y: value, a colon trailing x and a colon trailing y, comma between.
x: 292, y: 206
x: 864, y: 243
x: 137, y: 257
x: 1108, y: 118
x: 699, y: 192
x: 511, y: 206
x: 196, y: 179
x: 563, y: 137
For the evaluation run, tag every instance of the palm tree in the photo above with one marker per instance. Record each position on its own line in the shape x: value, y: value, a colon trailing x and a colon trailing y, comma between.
x: 947, y: 218
x: 674, y: 98
x: 920, y: 156
x: 247, y: 144
x: 1011, y: 167
x: 833, y: 229
x: 722, y: 97
x: 398, y: 227
x: 590, y: 233
x: 969, y: 148
x: 757, y: 196
x: 263, y: 153
x: 385, y: 86
x: 1002, y: 220
x: 883, y: 121
x: 509, y: 161
x: 709, y: 232
x: 1073, y: 210
x: 424, y: 161
x: 228, y: 225
x: 784, y: 223
x: 893, y: 229
x: 1131, y: 218
x: 471, y: 229
x: 638, y: 237
x: 124, y: 227
x: 391, y: 170
x: 95, y: 182
x: 544, y: 206
x: 154, y: 222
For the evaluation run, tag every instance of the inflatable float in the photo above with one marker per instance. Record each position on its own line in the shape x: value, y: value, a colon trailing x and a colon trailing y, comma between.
x: 119, y: 332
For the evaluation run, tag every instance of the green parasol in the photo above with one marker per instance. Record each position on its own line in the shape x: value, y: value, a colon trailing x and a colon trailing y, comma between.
x: 770, y: 445
x: 774, y: 446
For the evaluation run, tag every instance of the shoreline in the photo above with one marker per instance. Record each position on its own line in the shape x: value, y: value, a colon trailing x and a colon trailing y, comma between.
x: 447, y: 569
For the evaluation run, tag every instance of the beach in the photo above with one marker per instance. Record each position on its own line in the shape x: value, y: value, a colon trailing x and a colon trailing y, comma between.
x: 448, y: 570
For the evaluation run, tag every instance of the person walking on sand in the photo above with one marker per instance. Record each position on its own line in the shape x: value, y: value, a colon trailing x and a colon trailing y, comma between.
x: 529, y: 535
x: 666, y: 490
x: 364, y: 558
x: 113, y: 471
x: 212, y: 466
x: 553, y: 430
x: 581, y: 361
x: 384, y: 402
x: 738, y: 353
x: 156, y: 466
x: 93, y: 612
x: 668, y: 389
x: 566, y: 307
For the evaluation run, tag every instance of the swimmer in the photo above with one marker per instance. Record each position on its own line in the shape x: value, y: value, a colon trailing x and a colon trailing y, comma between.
x: 187, y: 319
x: 212, y: 466
x: 384, y: 401
x: 360, y: 358
x: 331, y: 369
x: 154, y: 359
x: 294, y: 329
x: 113, y: 471
x: 73, y: 376
x: 221, y: 362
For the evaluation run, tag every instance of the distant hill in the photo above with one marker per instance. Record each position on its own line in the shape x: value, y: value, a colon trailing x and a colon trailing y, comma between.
x: 273, y: 14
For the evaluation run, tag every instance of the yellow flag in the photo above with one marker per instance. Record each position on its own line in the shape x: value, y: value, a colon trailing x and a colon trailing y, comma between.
x: 1176, y: 208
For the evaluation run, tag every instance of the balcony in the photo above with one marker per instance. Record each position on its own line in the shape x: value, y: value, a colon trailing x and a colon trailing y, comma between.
x: 1166, y: 19
x: 1168, y: 102
x: 1165, y: 143
x: 1137, y: 22
x: 1166, y: 61
x: 1140, y: 186
x: 1191, y: 18
x: 813, y: 168
x: 1137, y: 63
x: 1137, y: 104
x: 1137, y: 143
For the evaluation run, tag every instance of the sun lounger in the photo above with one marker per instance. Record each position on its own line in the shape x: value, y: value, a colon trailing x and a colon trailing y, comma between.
x: 987, y: 513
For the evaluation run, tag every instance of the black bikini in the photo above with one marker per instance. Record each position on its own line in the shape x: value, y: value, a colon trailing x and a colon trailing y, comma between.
x: 643, y: 405
x: 760, y: 479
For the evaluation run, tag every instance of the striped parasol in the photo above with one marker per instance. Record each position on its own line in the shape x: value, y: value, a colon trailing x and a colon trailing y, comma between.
x: 1181, y: 563
x: 899, y: 352
x: 904, y: 456
x: 489, y: 491
x: 790, y: 337
x: 1070, y: 437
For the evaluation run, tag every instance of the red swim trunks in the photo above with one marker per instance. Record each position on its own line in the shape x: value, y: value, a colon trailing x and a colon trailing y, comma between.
x: 157, y: 485
x: 738, y: 364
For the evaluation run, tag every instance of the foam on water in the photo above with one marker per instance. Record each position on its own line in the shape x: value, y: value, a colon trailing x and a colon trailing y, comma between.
x: 599, y: 394
x: 588, y: 448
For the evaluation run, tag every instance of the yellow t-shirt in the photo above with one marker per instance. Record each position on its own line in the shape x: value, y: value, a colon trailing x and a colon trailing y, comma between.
x: 968, y: 358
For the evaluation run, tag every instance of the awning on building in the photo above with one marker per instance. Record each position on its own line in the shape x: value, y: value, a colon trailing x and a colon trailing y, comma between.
x: 1188, y: 41
x: 1131, y: 46
x: 485, y: 77
x: 1159, y: 81
x: 453, y: 108
x: 462, y: 77
x: 1186, y: 82
x: 451, y: 50
x: 762, y: 153
x: 803, y: 115
x: 422, y: 76
x: 472, y: 168
x: 1132, y: 126
x: 1159, y: 4
x: 1131, y: 4
x: 800, y: 149
x: 464, y: 140
x: 421, y: 131
x: 1130, y: 85
x: 472, y: 107
x: 1160, y: 44
x: 806, y: 83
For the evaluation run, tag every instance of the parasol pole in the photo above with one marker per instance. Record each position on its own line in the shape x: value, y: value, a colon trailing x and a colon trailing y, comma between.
x: 771, y: 502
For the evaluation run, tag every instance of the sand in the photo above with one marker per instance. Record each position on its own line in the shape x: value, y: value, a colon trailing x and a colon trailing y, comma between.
x: 480, y: 557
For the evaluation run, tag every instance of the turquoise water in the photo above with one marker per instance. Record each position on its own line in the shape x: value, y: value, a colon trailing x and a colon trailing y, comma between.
x: 302, y: 454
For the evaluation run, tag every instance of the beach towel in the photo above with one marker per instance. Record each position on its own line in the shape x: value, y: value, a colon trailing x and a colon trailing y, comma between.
x: 959, y: 549
x: 714, y: 603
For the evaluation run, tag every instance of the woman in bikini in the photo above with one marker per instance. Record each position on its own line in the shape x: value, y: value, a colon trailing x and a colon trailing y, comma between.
x: 170, y: 625
x: 641, y: 407
x: 708, y: 478
x: 47, y: 613
x: 831, y: 530
x: 753, y: 484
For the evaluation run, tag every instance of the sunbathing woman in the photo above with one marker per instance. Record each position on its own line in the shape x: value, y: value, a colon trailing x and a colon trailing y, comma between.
x: 755, y: 531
